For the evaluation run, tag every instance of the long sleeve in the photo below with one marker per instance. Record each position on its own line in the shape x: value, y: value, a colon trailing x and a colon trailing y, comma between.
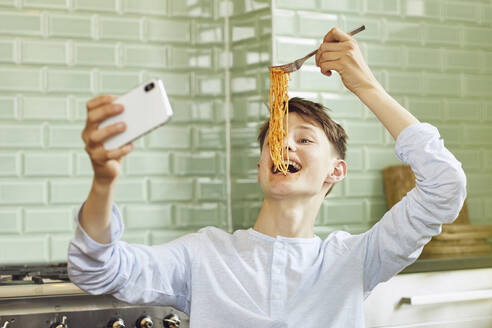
x: 398, y: 238
x: 133, y: 273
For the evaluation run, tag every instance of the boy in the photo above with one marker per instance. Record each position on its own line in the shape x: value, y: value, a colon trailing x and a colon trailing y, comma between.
x: 278, y: 273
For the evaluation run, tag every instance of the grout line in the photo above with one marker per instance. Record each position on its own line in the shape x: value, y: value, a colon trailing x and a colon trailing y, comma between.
x: 227, y: 84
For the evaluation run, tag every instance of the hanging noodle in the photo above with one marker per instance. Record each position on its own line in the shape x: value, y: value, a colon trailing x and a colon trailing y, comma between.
x: 279, y: 108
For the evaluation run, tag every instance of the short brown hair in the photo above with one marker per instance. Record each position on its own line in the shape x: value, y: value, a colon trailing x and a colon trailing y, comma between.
x: 316, y: 113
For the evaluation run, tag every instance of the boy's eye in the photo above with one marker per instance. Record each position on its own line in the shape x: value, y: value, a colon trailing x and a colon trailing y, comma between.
x: 304, y: 140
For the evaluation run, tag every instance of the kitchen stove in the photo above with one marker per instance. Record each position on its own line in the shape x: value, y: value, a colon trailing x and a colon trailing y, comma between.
x: 39, y: 296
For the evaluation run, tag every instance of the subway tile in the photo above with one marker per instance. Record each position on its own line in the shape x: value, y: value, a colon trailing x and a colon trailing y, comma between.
x: 409, y: 33
x: 293, y: 4
x: 197, y: 215
x: 404, y: 82
x: 202, y: 8
x: 195, y: 164
x: 148, y: 216
x: 71, y: 191
x: 435, y: 35
x: 244, y: 83
x: 171, y: 189
x: 459, y: 60
x: 177, y: 84
x: 311, y: 79
x: 379, y: 158
x: 488, y: 112
x: 70, y: 26
x: 382, y: 7
x: 376, y: 209
x: 191, y: 111
x: 243, y: 161
x: 364, y: 185
x: 149, y: 7
x: 23, y: 192
x: 83, y: 165
x: 373, y: 31
x: 478, y: 135
x: 10, y: 3
x: 209, y: 85
x: 189, y: 57
x: 45, y: 4
x: 487, y: 160
x: 7, y: 51
x: 95, y: 5
x: 209, y: 32
x: 426, y: 108
x: 246, y: 188
x: 210, y: 138
x: 343, y: 212
x: 144, y: 56
x: 288, y: 48
x: 248, y: 6
x: 68, y: 81
x: 247, y: 109
x: 94, y: 54
x: 147, y: 164
x: 61, y: 136
x: 59, y: 247
x: 10, y: 164
x: 467, y: 12
x: 20, y: 23
x: 9, y: 108
x: 316, y: 25
x: 47, y: 164
x: 20, y: 79
x: 285, y: 22
x: 430, y: 58
x: 355, y: 159
x: 120, y: 28
x: 136, y: 237
x: 478, y: 185
x: 441, y: 84
x: 42, y: 108
x: 452, y: 134
x: 388, y: 56
x: 477, y: 85
x: 351, y: 6
x: 244, y: 136
x: 422, y: 8
x: 485, y: 13
x: 463, y: 110
x: 118, y: 82
x: 475, y: 210
x: 48, y: 220
x: 44, y: 52
x: 131, y: 191
x: 170, y: 137
x: 24, y: 250
x: 11, y: 221
x: 165, y: 236
x: 168, y: 30
x: 362, y: 133
x: 343, y: 106
x: 25, y: 135
x: 470, y: 159
x: 243, y: 29
x: 210, y: 189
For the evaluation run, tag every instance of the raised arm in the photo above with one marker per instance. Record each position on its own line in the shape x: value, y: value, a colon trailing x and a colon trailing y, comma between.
x: 340, y: 52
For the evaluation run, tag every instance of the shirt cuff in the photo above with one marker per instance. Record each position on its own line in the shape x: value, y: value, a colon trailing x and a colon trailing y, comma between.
x: 93, y: 248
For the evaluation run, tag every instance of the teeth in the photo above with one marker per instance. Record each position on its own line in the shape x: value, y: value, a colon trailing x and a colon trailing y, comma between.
x: 294, y: 164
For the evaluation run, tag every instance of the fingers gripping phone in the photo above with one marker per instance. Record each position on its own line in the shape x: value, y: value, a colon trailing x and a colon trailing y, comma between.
x: 145, y: 108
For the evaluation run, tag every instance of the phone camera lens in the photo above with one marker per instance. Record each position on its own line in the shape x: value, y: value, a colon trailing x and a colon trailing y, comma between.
x: 149, y: 87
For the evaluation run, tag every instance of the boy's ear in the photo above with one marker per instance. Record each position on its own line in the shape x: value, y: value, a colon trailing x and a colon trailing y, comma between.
x: 338, y: 172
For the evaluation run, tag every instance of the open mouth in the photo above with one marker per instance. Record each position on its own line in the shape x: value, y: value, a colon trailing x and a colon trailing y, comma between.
x: 292, y: 167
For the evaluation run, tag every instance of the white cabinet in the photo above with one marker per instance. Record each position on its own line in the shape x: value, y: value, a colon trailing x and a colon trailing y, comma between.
x: 445, y: 299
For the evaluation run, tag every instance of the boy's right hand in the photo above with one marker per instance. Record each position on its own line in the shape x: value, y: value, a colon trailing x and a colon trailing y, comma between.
x: 105, y: 163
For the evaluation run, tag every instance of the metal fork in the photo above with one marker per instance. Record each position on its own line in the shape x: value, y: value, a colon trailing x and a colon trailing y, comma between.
x: 295, y: 65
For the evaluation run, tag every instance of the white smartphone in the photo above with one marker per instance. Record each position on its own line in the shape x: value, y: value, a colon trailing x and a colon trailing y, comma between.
x: 145, y: 108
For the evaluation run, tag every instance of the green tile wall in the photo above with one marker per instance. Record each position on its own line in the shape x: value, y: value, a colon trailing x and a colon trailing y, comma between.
x: 435, y: 57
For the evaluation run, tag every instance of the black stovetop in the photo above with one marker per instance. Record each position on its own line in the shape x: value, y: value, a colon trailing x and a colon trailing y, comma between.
x: 32, y: 273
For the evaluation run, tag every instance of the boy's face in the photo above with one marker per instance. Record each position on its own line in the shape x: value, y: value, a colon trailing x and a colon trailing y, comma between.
x: 309, y: 147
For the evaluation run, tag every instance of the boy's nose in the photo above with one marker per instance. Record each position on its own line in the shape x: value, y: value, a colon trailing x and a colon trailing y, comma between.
x: 289, y: 144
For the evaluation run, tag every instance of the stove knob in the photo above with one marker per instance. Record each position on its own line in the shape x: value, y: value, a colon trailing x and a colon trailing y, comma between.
x: 144, y: 322
x: 62, y: 324
x: 6, y: 324
x: 116, y: 323
x: 171, y: 321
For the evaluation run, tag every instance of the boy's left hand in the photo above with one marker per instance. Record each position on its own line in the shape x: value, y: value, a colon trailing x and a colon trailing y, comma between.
x: 340, y: 52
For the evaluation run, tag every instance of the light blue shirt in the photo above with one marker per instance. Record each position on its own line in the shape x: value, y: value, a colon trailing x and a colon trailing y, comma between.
x: 248, y: 279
